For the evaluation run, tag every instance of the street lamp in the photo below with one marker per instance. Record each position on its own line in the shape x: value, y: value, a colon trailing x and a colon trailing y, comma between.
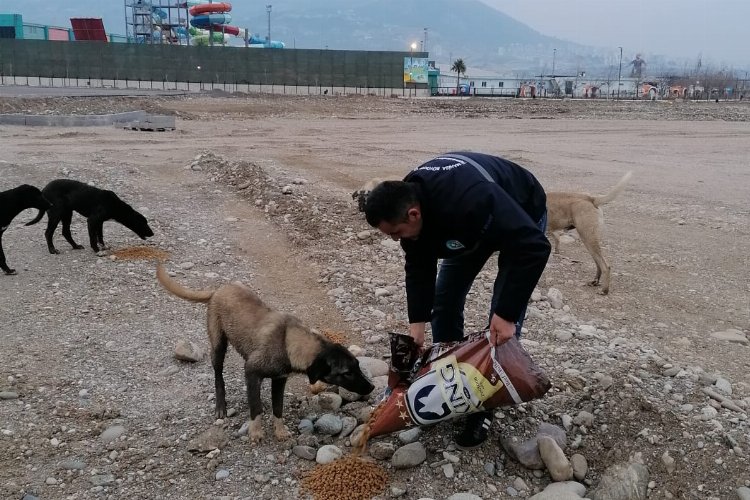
x: 619, y: 75
x: 413, y: 46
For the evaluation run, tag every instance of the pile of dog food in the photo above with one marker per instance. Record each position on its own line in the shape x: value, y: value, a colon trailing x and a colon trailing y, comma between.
x: 140, y: 253
x: 335, y: 337
x: 348, y: 478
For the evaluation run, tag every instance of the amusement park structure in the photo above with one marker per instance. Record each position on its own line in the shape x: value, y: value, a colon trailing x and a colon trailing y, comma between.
x: 187, y: 22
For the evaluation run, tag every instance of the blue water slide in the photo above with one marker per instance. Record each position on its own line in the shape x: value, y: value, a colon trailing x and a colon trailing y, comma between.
x: 206, y: 20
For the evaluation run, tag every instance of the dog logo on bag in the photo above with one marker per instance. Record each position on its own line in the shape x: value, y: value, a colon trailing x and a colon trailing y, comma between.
x: 449, y: 389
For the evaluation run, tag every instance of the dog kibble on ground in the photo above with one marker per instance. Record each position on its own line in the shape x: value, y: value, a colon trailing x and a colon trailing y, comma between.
x: 348, y: 478
x: 140, y: 253
x: 335, y: 337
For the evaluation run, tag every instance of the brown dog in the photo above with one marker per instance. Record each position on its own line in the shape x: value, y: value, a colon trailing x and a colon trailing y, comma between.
x: 581, y: 211
x: 273, y: 345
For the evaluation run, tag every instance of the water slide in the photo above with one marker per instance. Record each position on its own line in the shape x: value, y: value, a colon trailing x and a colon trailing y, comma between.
x: 215, y: 16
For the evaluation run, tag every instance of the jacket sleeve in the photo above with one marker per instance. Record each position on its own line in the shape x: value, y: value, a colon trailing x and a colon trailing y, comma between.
x: 524, y: 249
x: 421, y: 271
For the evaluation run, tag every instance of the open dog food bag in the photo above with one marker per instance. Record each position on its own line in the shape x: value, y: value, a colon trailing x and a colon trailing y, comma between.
x: 450, y: 379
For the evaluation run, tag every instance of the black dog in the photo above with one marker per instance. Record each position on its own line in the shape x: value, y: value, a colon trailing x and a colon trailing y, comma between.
x: 97, y: 205
x: 13, y: 202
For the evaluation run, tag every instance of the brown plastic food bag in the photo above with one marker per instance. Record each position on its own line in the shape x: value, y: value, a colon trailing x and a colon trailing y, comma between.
x: 448, y: 380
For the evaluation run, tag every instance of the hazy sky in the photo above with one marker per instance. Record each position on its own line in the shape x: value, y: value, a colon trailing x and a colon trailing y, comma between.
x: 719, y: 29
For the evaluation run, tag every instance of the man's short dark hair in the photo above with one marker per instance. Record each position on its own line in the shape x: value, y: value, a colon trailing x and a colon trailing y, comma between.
x: 390, y: 202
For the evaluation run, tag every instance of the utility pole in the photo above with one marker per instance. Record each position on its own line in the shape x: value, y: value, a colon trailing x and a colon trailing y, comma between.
x: 424, y: 43
x: 554, y: 53
x: 268, y: 40
x: 619, y: 75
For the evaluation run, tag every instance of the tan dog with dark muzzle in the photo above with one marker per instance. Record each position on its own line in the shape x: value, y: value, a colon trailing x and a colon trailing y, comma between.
x: 273, y: 345
x: 582, y: 212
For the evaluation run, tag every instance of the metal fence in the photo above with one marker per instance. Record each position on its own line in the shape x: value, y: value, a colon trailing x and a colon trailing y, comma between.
x: 169, y: 64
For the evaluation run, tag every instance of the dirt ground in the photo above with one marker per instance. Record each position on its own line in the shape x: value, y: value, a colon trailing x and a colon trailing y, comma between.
x: 677, y: 240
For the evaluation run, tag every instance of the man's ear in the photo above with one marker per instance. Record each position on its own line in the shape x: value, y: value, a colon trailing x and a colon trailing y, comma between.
x: 318, y: 369
x: 414, y: 213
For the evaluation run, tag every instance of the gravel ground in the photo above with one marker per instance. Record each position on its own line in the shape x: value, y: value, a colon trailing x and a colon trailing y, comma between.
x: 94, y: 405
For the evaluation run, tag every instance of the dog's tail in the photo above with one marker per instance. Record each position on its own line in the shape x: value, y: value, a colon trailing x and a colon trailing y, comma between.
x: 604, y: 199
x: 180, y: 291
x: 38, y: 217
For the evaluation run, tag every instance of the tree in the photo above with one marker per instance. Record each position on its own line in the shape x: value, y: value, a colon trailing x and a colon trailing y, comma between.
x: 459, y: 67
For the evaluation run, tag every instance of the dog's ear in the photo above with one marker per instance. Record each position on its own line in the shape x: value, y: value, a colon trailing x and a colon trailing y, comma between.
x: 319, y: 368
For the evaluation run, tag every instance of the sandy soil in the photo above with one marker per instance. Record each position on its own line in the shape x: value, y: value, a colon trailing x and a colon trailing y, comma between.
x: 677, y: 240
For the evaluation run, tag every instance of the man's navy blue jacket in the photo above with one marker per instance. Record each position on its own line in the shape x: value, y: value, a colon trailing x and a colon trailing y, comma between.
x: 462, y: 210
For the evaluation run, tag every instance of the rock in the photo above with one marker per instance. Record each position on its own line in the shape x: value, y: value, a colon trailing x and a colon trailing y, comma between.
x: 671, y: 372
x: 211, y: 439
x: 743, y: 493
x: 622, y: 482
x: 329, y: 424
x: 349, y: 396
x: 187, y: 351
x: 520, y: 485
x: 376, y: 367
x: 8, y: 395
x: 723, y: 386
x: 310, y: 440
x: 526, y: 452
x: 397, y: 491
x: 112, y: 433
x: 448, y: 470
x: 731, y: 335
x: 580, y: 466
x: 567, y: 490
x: 668, y: 462
x: 409, y: 455
x: 382, y: 451
x: 356, y: 434
x: 186, y: 265
x: 305, y: 452
x: 584, y: 418
x: 305, y: 426
x: 102, y: 479
x: 72, y: 465
x: 363, y: 235
x: 464, y: 496
x: 329, y: 401
x: 348, y: 424
x: 563, y: 335
x: 328, y: 453
x: 555, y: 298
x: 286, y: 190
x: 553, y: 431
x: 409, y: 435
x: 221, y: 474
x: 554, y: 459
x: 490, y: 468
x: 708, y: 413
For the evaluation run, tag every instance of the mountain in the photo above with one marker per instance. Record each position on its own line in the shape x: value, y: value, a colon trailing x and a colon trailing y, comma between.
x: 484, y: 37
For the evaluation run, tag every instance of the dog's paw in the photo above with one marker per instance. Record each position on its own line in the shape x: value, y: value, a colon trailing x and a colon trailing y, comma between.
x: 282, y: 433
x: 593, y: 283
x: 256, y: 435
x: 10, y: 272
x: 221, y: 412
x: 255, y: 430
x: 54, y: 251
x: 78, y: 247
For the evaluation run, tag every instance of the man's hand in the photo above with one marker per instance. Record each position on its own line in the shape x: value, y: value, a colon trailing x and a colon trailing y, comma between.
x: 416, y: 330
x: 501, y: 330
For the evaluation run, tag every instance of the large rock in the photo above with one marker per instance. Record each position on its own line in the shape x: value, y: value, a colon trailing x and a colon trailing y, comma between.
x: 743, y: 493
x: 527, y: 452
x: 112, y: 433
x: 328, y: 453
x: 212, y: 439
x: 623, y: 482
x: 554, y: 459
x: 731, y: 335
x: 188, y: 351
x: 376, y: 367
x: 409, y: 455
x: 568, y: 490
